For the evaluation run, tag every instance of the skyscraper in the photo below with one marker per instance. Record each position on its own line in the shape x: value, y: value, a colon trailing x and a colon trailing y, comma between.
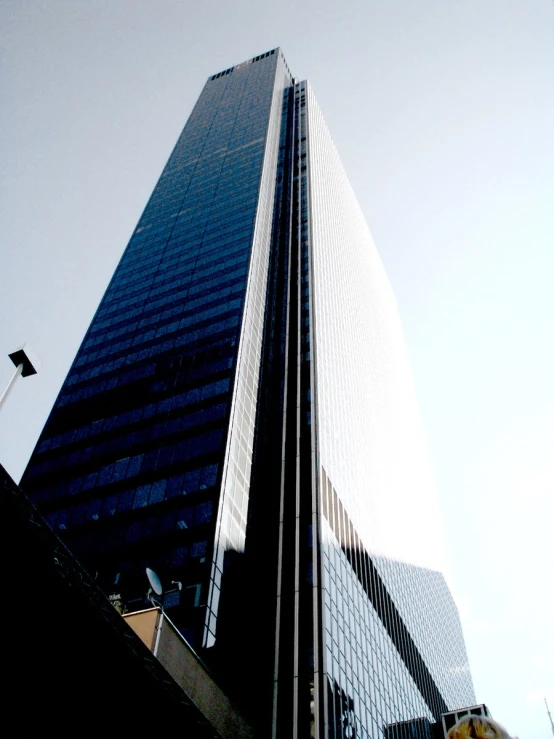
x: 240, y: 417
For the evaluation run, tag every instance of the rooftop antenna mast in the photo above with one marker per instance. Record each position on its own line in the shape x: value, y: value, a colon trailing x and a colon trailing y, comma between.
x: 549, y: 715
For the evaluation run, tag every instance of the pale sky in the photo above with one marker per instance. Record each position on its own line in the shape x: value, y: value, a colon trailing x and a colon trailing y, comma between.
x: 443, y: 114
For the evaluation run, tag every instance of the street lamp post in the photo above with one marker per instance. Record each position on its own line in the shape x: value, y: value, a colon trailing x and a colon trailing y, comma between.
x: 26, y: 363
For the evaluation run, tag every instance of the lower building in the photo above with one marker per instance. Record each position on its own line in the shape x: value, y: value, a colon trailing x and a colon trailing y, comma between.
x: 73, y: 666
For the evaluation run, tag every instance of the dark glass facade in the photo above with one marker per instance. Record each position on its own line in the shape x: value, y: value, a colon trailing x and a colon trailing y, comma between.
x: 240, y: 419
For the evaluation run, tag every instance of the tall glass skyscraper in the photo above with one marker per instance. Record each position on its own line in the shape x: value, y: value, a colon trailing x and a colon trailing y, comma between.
x: 240, y: 418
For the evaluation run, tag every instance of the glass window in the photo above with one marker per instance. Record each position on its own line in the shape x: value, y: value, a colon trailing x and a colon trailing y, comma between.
x: 90, y: 481
x: 157, y: 492
x: 198, y: 549
x: 191, y: 481
x: 79, y: 514
x: 141, y: 496
x: 93, y: 512
x: 105, y: 475
x: 203, y: 513
x: 149, y: 461
x: 179, y: 556
x: 109, y: 506
x: 120, y: 469
x: 125, y: 500
x: 208, y: 476
x: 75, y: 485
x: 174, y: 486
x: 185, y: 518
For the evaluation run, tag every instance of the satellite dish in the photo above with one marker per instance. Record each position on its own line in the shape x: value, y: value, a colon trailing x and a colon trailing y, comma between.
x: 154, y: 581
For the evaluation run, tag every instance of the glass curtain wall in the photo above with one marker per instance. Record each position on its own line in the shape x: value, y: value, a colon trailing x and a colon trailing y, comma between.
x: 155, y: 418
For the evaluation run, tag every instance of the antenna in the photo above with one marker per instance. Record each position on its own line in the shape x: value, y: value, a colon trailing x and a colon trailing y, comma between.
x: 549, y: 715
x: 155, y: 585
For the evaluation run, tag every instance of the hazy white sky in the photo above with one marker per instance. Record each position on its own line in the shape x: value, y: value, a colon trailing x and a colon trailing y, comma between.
x: 442, y: 111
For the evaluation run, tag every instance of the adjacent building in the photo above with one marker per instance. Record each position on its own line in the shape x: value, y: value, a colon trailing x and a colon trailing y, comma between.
x: 241, y: 419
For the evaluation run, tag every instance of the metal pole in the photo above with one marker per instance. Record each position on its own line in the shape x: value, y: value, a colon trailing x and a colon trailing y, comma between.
x: 18, y: 371
x: 549, y: 715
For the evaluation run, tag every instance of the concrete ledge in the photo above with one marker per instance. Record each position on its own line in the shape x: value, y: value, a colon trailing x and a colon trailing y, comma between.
x: 189, y: 672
